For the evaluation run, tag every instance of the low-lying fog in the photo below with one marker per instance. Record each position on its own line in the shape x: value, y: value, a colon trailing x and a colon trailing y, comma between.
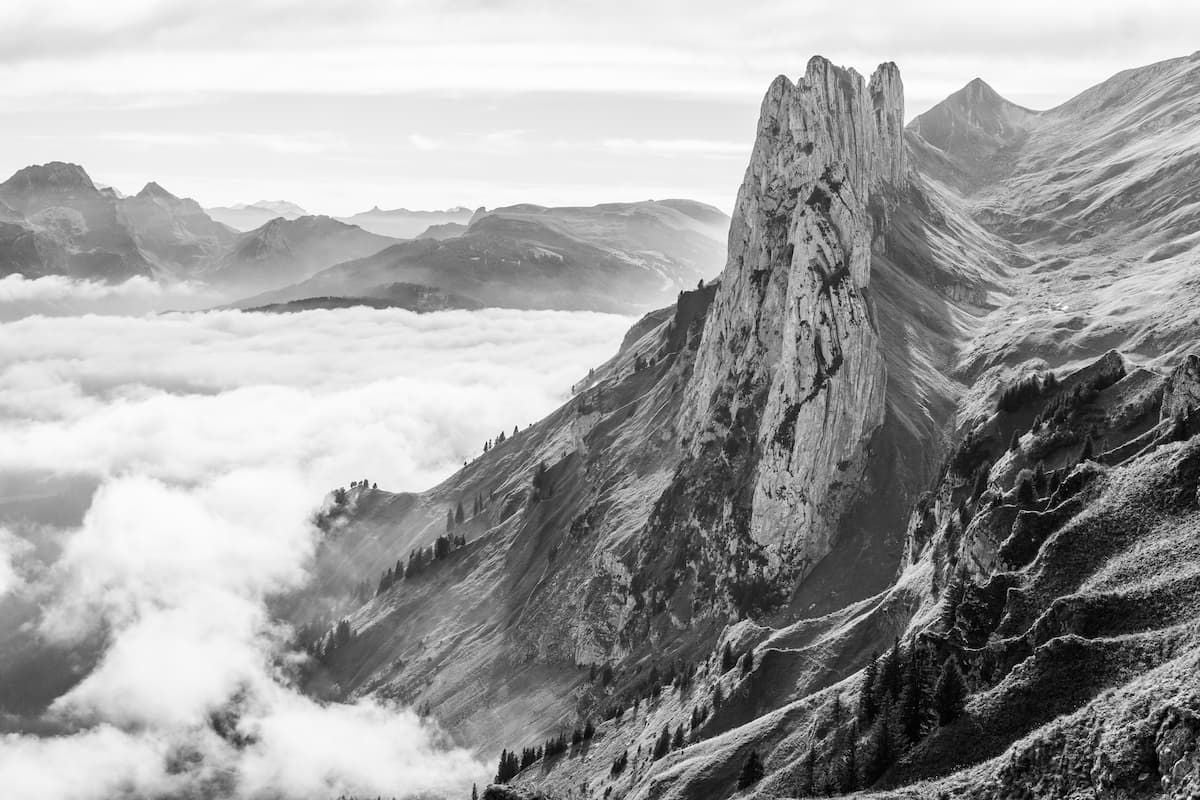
x: 157, y: 475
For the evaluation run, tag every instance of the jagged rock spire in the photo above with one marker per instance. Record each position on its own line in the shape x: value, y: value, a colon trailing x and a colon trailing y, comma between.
x: 789, y: 366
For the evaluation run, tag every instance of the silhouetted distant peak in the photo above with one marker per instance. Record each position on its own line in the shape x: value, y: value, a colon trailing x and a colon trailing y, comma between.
x: 55, y: 174
x: 153, y: 190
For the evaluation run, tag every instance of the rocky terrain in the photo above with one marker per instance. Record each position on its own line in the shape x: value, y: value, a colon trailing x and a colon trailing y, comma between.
x: 905, y: 504
x: 623, y: 257
x: 55, y: 221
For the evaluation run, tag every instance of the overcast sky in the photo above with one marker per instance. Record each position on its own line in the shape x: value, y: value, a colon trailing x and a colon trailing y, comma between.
x: 345, y: 104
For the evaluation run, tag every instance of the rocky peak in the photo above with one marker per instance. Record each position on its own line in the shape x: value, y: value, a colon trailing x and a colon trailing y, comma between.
x: 153, y: 191
x: 54, y: 175
x: 973, y: 119
x: 790, y: 370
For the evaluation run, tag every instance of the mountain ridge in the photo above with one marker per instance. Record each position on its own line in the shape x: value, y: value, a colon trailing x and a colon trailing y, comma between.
x: 1016, y: 491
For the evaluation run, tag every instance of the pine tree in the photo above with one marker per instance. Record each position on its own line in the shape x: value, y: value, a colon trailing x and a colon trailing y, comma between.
x: 868, y: 705
x: 1087, y: 453
x: 879, y: 753
x: 981, y: 483
x: 727, y: 660
x: 808, y: 775
x: 849, y: 764
x: 752, y: 771
x: 449, y: 519
x: 1014, y: 443
x: 950, y: 692
x: 677, y: 738
x: 1179, y: 428
x: 474, y: 792
x: 889, y: 674
x: 458, y: 514
x: 663, y: 745
x: 916, y: 698
x: 1025, y: 493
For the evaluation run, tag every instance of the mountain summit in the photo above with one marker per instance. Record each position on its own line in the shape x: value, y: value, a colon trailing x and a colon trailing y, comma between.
x: 973, y: 126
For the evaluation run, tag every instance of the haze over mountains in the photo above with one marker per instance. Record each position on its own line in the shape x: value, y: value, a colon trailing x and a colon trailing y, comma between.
x: 398, y: 223
x: 940, y: 408
x: 613, y: 257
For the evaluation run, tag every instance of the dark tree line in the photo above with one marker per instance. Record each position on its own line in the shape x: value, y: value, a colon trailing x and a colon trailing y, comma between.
x: 323, y: 647
x: 419, y: 561
x: 511, y: 765
x: 904, y: 695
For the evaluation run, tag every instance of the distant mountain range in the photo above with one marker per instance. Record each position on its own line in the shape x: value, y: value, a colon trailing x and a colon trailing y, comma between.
x: 398, y: 223
x: 611, y: 257
x: 55, y: 221
x: 404, y: 224
x: 616, y: 257
x: 248, y: 216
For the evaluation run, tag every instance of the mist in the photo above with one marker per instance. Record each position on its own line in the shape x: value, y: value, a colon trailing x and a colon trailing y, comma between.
x: 156, y: 499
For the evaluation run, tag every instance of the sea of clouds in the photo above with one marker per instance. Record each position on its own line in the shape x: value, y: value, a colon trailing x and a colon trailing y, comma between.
x: 205, y: 441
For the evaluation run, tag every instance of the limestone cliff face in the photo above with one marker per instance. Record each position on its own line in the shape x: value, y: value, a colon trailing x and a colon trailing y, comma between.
x: 790, y: 369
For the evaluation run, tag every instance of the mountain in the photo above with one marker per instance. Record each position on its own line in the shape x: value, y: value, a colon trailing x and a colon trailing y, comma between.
x: 249, y: 216
x: 611, y: 257
x: 905, y: 503
x: 400, y: 223
x: 173, y: 231
x: 285, y: 250
x: 56, y: 221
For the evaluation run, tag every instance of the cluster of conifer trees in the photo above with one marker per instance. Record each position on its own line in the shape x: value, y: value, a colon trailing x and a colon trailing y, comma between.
x: 499, y: 440
x: 419, y: 560
x: 511, y: 765
x: 323, y: 648
x: 902, y: 698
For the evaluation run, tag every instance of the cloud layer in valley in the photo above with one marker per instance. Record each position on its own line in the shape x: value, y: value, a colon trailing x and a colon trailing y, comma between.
x: 58, y: 295
x: 210, y: 439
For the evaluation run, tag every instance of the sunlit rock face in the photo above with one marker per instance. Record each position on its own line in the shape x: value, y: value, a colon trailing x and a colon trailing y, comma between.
x: 789, y: 382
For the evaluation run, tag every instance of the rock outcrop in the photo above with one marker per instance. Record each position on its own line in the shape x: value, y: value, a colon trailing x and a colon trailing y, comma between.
x: 1181, y: 394
x: 790, y: 367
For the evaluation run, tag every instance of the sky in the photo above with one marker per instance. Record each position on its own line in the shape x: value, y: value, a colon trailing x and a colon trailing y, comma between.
x: 197, y: 508
x: 347, y: 104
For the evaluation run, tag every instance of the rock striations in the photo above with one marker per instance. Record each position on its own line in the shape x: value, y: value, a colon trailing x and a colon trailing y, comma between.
x: 790, y: 368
